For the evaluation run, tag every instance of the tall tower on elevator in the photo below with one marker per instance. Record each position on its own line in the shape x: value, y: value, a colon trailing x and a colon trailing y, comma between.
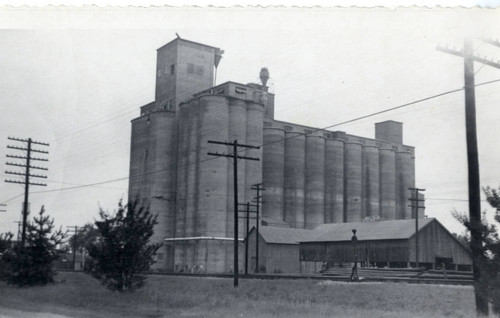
x: 183, y: 68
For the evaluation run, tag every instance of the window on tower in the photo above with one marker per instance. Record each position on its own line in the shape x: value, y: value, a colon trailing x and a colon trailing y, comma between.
x: 199, y: 70
x: 190, y: 68
x: 172, y: 69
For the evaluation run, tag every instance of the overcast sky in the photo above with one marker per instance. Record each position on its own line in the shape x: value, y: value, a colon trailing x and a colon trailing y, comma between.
x: 75, y: 79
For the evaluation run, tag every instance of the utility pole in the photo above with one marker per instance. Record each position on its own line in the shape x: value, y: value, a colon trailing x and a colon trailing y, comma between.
x: 415, y: 206
x: 258, y: 188
x: 18, y: 230
x: 247, y: 230
x: 28, y: 149
x: 476, y: 242
x: 234, y: 155
x: 74, y: 229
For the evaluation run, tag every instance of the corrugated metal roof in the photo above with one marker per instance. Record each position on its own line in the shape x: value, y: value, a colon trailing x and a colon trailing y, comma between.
x: 281, y: 235
x: 378, y: 230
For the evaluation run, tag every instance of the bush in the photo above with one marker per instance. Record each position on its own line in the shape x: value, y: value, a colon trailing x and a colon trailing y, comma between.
x: 31, y: 264
x: 122, y: 251
x: 5, y: 250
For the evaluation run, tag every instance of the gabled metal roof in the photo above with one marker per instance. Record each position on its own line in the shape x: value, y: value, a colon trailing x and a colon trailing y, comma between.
x: 377, y: 230
x: 281, y: 235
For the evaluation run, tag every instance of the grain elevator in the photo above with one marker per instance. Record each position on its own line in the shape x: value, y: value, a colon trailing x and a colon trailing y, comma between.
x: 312, y: 176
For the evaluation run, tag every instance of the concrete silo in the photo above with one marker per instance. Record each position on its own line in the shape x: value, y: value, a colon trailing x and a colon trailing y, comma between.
x: 273, y: 169
x: 403, y: 183
x: 352, y: 181
x: 371, y: 180
x: 387, y: 165
x: 237, y: 126
x: 315, y: 181
x: 254, y: 136
x: 213, y: 176
x: 295, y: 179
x: 152, y: 177
x: 334, y: 181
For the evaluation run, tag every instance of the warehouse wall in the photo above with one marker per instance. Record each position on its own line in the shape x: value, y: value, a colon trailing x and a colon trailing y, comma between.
x: 436, y: 241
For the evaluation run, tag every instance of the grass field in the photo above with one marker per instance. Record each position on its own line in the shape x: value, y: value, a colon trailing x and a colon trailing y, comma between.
x: 79, y: 295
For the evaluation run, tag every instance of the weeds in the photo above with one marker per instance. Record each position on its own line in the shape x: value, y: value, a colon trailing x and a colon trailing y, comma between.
x: 169, y: 296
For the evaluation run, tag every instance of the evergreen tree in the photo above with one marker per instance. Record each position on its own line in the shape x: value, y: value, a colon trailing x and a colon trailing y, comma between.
x: 490, y: 247
x: 32, y: 264
x: 123, y: 250
x: 5, y: 250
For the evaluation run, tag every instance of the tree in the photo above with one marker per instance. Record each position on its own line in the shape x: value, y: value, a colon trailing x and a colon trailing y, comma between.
x: 123, y: 251
x: 490, y: 247
x: 5, y: 249
x: 32, y: 264
x: 85, y: 236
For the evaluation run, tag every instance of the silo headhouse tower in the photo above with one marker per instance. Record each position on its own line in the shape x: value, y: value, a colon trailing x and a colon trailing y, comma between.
x: 312, y: 176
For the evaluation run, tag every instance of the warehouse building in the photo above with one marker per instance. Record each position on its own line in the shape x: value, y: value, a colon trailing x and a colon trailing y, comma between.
x: 380, y: 244
x: 389, y: 244
x: 278, y: 249
x: 312, y: 176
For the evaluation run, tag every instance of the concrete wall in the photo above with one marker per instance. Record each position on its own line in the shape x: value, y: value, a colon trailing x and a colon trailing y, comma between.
x: 334, y: 181
x: 352, y: 182
x: 202, y: 76
x: 387, y: 164
x: 391, y: 131
x: 152, y: 175
x: 294, y: 213
x: 315, y: 181
x: 273, y: 168
x: 182, y: 69
x: 205, y: 201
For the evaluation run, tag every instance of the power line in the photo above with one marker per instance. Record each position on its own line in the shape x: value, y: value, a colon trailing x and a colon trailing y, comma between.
x: 27, y: 165
x: 234, y: 155
x: 476, y: 239
x: 282, y: 140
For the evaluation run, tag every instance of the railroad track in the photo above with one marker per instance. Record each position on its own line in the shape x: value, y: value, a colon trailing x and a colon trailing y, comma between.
x: 343, y: 275
x: 402, y: 274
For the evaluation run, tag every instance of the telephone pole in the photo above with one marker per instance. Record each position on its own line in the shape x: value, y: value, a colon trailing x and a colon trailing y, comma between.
x: 476, y: 242
x: 18, y: 230
x: 234, y: 155
x: 28, y: 151
x: 247, y: 218
x: 74, y: 229
x: 414, y: 199
x: 258, y: 188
